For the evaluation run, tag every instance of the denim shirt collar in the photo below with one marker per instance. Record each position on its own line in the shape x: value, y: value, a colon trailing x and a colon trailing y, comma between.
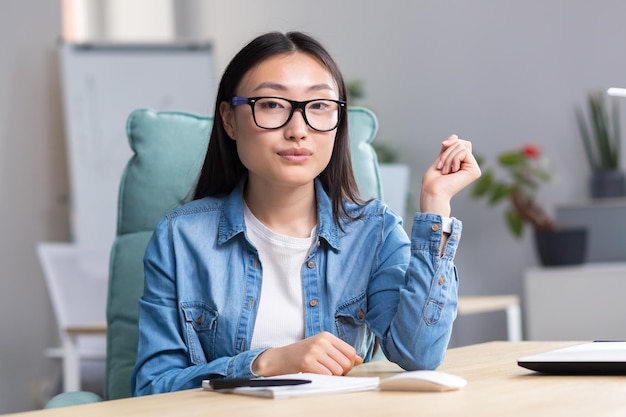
x: 326, y: 227
x: 232, y: 220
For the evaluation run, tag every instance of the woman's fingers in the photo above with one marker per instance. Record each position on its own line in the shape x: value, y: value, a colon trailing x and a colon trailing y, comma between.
x: 344, y: 356
x: 454, y: 168
x: 323, y: 353
x: 454, y: 152
x: 335, y: 355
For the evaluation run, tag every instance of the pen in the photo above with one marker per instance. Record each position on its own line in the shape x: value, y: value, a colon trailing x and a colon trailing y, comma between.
x: 218, y: 384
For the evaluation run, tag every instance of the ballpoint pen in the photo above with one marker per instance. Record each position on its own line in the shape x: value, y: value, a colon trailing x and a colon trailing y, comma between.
x: 218, y: 384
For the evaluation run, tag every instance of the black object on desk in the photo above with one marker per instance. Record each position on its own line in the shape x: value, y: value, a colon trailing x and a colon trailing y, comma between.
x: 592, y: 358
x: 218, y: 384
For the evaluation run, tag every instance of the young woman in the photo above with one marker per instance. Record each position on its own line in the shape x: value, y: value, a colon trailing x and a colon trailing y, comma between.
x: 278, y: 266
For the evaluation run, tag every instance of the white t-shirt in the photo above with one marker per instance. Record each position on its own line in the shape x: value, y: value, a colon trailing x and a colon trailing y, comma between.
x: 280, y: 315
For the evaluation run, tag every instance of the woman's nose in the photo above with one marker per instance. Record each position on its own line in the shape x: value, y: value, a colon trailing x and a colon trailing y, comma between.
x: 297, y: 127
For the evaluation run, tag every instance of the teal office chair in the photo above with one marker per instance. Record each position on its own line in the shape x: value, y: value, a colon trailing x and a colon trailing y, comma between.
x: 169, y: 150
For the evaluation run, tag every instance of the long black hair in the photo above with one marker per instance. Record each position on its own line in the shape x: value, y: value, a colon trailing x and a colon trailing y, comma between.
x: 222, y: 169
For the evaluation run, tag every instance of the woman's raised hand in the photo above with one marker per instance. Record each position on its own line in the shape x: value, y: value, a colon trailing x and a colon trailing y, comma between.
x: 454, y: 169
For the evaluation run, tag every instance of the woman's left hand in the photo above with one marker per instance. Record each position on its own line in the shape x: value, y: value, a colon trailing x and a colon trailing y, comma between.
x: 454, y: 169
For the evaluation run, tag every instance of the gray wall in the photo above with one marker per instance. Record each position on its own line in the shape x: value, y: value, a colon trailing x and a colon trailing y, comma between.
x: 498, y: 72
x: 33, y: 187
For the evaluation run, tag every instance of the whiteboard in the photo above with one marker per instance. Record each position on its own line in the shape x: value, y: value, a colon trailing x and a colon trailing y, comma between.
x: 102, y: 84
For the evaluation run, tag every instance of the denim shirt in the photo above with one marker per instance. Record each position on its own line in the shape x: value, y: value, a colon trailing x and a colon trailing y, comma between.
x: 203, y: 282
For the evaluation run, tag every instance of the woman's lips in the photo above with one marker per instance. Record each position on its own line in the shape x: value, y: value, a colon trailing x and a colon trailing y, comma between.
x: 296, y: 155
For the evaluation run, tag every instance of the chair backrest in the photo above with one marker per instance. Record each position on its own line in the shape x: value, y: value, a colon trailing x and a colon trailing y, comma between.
x: 169, y: 149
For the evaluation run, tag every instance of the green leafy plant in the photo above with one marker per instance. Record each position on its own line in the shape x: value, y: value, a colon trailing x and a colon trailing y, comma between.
x: 526, y: 169
x: 356, y: 90
x: 602, y: 137
x: 385, y: 153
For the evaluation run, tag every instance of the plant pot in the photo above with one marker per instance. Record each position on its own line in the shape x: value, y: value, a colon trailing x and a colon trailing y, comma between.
x: 561, y: 246
x: 606, y: 184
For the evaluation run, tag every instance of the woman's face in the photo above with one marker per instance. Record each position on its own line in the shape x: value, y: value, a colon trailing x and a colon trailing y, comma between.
x: 295, y: 154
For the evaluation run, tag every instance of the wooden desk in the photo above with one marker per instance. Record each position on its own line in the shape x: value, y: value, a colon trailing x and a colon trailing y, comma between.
x: 98, y: 328
x: 496, y: 387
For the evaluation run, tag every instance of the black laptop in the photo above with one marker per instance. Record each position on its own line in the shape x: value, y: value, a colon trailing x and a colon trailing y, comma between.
x: 593, y: 358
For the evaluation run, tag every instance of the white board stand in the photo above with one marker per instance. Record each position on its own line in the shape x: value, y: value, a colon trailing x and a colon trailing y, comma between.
x: 102, y: 84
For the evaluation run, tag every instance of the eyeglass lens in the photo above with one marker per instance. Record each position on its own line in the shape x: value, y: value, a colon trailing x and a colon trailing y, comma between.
x: 272, y: 113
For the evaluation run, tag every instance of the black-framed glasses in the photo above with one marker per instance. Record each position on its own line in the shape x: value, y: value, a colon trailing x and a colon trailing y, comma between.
x: 322, y: 115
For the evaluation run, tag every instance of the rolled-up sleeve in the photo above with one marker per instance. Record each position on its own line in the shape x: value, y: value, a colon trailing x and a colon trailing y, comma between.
x: 419, y: 331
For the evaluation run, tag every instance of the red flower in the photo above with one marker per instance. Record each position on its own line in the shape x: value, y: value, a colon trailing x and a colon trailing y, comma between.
x: 526, y: 169
x: 531, y: 151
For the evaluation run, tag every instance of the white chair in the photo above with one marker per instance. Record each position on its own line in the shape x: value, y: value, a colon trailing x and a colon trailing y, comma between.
x: 77, y: 280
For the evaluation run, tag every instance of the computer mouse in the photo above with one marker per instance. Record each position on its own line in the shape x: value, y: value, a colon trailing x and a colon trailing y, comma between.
x: 422, y: 381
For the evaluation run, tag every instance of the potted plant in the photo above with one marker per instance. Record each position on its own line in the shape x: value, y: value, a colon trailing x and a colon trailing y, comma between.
x: 601, y: 139
x: 526, y: 169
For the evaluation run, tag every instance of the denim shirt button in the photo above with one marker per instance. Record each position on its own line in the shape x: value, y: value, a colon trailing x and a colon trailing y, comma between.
x: 199, y: 321
x: 440, y: 282
x: 313, y: 303
x: 310, y: 264
x: 434, y: 227
x: 360, y: 314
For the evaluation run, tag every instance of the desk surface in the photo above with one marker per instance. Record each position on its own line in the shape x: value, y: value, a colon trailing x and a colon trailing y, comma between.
x: 95, y: 328
x: 496, y: 387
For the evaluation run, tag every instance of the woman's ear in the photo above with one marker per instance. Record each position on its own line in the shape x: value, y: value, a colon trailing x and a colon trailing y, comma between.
x: 228, y: 118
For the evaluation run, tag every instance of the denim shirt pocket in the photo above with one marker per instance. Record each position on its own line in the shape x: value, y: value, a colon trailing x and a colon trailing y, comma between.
x: 351, y: 325
x: 200, y: 329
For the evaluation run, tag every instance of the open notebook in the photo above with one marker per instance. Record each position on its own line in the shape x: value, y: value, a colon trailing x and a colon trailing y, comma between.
x: 319, y: 385
x: 594, y: 358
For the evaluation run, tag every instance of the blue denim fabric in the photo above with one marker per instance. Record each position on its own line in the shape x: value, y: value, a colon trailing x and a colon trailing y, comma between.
x: 203, y: 281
